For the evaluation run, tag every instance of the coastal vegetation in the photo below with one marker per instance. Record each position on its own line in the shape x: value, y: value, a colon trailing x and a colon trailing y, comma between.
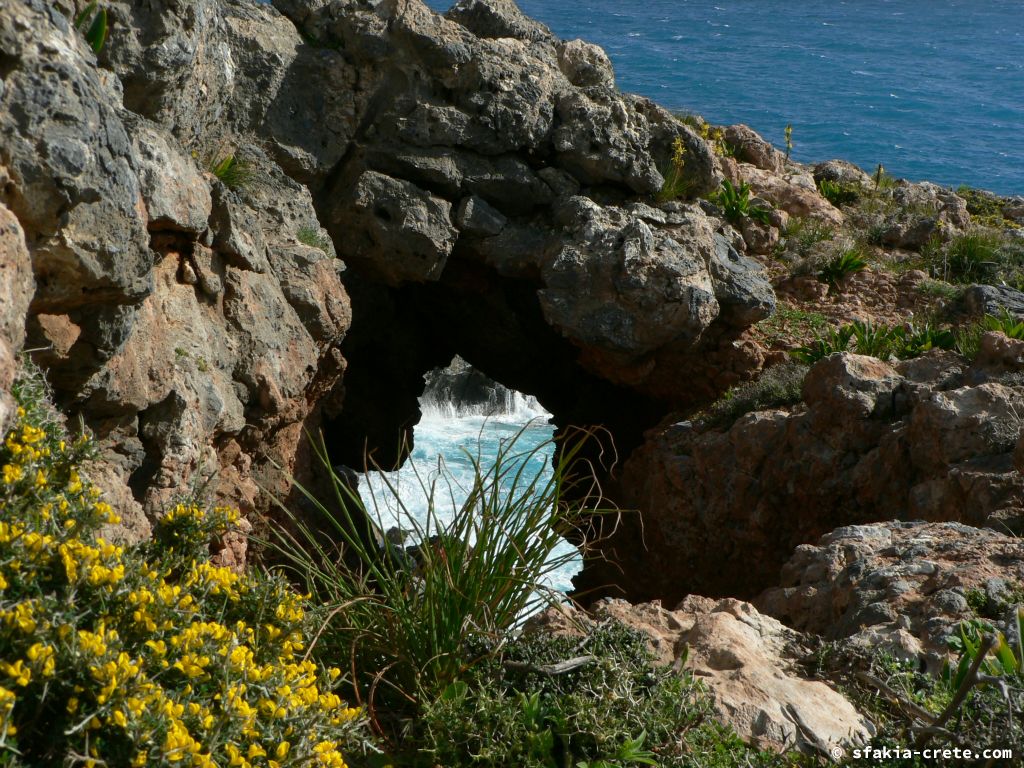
x: 144, y: 655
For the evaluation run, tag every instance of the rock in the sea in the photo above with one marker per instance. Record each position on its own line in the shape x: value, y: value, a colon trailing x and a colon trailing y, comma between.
x: 747, y: 660
x: 897, y: 587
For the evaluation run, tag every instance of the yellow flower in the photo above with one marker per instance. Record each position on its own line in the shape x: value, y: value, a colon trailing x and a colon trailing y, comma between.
x: 42, y: 656
x: 255, y: 750
x: 12, y: 474
x: 18, y: 671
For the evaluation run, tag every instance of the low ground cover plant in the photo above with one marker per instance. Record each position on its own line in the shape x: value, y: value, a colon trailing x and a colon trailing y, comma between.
x: 843, y: 264
x: 878, y: 340
x: 980, y: 255
x: 611, y: 711
x: 735, y: 203
x: 976, y: 701
x: 146, y: 655
x: 778, y: 386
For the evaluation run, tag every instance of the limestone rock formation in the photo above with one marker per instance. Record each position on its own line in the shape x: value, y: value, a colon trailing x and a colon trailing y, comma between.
x: 179, y: 315
x: 901, y: 587
x: 722, y: 509
x: 748, y: 662
x: 16, y: 288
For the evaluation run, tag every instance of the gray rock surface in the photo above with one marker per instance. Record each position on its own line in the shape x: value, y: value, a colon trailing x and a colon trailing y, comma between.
x: 901, y: 587
x: 180, y: 317
x: 993, y: 300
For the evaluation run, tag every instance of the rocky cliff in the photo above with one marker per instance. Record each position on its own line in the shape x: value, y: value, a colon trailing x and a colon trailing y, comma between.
x: 485, y: 183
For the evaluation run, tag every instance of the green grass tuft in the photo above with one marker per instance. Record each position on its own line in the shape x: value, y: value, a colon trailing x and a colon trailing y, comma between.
x: 839, y: 193
x: 233, y: 172
x: 843, y: 264
x: 411, y: 611
x: 778, y: 386
x: 311, y: 235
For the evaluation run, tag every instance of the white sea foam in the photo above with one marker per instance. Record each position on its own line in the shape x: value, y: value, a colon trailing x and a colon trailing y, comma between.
x: 444, y: 440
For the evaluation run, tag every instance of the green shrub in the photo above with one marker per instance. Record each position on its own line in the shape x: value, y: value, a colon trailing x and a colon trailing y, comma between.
x: 967, y: 340
x: 615, y: 711
x: 872, y: 340
x: 145, y: 655
x: 735, y: 203
x: 841, y: 265
x: 970, y: 257
x: 411, y: 613
x: 906, y: 703
x: 881, y: 341
x: 310, y: 235
x: 984, y: 206
x: 939, y: 289
x: 803, y: 234
x: 909, y: 341
x: 777, y: 386
x: 839, y: 193
x: 1004, y: 323
x: 835, y: 340
x: 233, y: 172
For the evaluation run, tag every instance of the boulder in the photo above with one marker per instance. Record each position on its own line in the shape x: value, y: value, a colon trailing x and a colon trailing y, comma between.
x: 749, y: 663
x: 585, y: 64
x: 898, y: 587
x: 927, y: 439
x: 751, y: 148
x: 994, y: 300
x: 843, y: 172
x: 794, y: 191
x: 16, y: 288
x: 626, y: 287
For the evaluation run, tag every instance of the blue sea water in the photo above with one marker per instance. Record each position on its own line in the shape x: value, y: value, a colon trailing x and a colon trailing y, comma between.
x: 932, y: 89
x: 447, y: 440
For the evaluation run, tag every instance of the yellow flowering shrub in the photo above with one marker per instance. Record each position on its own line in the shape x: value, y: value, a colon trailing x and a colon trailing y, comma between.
x: 149, y: 655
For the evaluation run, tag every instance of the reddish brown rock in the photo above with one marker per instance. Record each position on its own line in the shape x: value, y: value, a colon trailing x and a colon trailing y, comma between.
x: 722, y: 509
x: 16, y: 287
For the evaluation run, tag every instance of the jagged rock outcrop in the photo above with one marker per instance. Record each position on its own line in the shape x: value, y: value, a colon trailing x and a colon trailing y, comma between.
x: 182, y: 318
x: 899, y: 587
x: 749, y: 663
x: 488, y: 153
x: 493, y: 195
x: 483, y: 179
x: 16, y: 289
x: 722, y: 509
